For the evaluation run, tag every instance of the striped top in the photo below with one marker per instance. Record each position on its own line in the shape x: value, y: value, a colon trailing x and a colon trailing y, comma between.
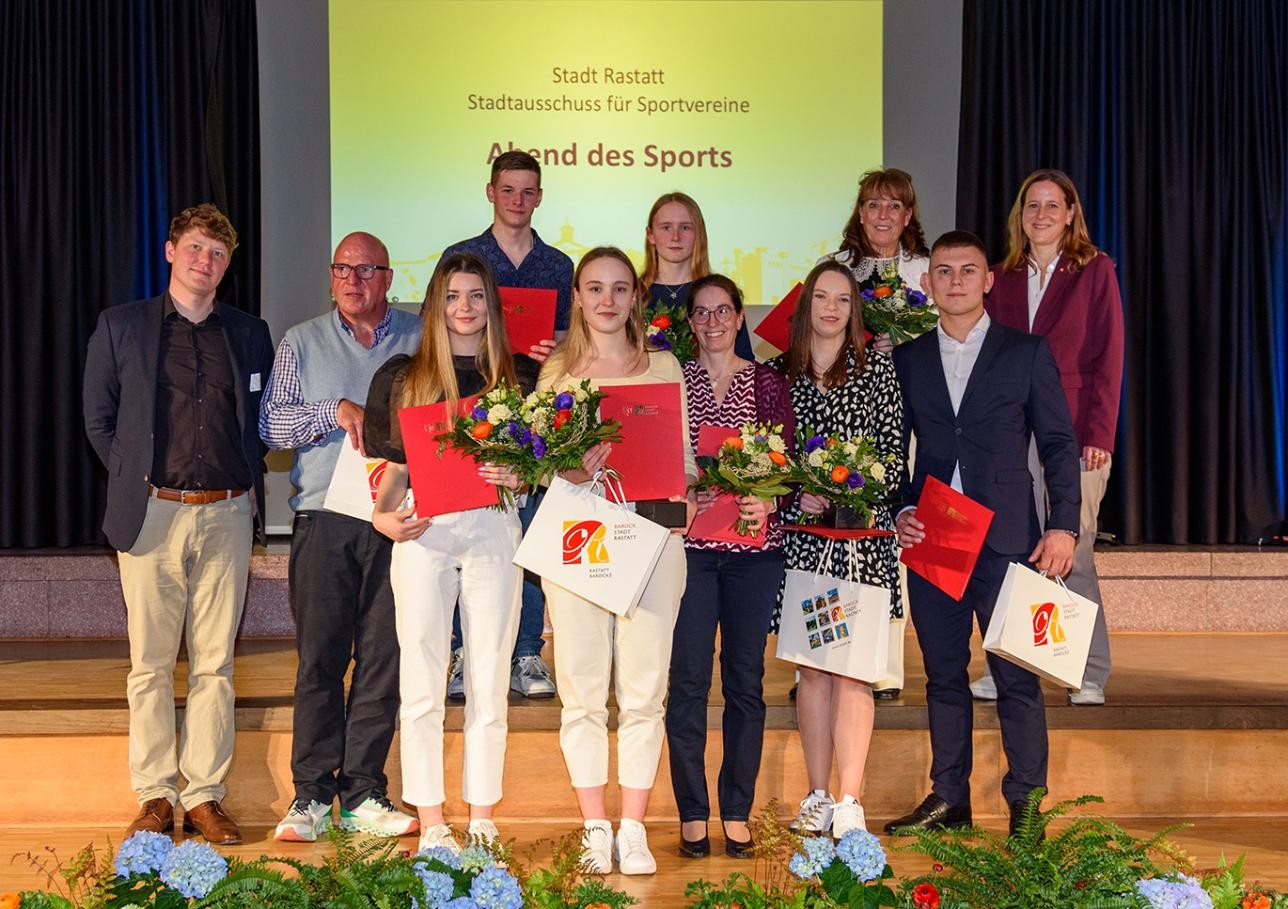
x: 737, y: 408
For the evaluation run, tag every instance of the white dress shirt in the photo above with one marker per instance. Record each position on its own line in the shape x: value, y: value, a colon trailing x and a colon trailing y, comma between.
x: 959, y: 359
x: 1038, y: 283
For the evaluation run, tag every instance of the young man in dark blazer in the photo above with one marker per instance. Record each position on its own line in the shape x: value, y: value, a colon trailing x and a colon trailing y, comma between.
x: 975, y: 392
x: 171, y: 400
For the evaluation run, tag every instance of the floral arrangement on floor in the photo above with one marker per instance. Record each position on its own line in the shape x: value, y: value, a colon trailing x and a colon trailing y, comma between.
x: 891, y: 307
x: 847, y: 472
x: 538, y: 435
x: 752, y: 463
x: 669, y: 329
x: 150, y: 872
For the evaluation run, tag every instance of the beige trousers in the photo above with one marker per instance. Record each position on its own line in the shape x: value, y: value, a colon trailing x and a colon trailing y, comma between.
x: 594, y: 647
x: 188, y: 566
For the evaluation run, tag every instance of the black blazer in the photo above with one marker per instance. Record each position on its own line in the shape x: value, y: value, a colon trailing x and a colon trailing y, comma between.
x: 1013, y: 393
x: 120, y: 393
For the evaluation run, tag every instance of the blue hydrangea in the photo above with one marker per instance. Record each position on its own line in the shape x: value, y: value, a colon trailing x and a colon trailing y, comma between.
x: 193, y: 868
x: 819, y: 853
x: 862, y: 854
x: 496, y: 888
x: 476, y: 858
x: 440, y: 854
x: 461, y: 902
x: 1181, y: 892
x: 143, y: 853
x: 439, y: 887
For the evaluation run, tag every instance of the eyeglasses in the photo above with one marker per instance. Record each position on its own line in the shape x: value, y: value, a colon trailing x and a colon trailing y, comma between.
x: 721, y: 313
x: 365, y: 272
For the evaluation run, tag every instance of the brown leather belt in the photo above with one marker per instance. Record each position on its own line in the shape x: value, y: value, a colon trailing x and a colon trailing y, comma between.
x: 194, y: 496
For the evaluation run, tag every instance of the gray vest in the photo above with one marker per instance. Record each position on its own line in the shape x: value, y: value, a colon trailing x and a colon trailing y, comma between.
x: 334, y: 365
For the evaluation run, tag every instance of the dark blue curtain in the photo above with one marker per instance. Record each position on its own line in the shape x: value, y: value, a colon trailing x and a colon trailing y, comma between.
x: 113, y: 117
x: 1172, y: 118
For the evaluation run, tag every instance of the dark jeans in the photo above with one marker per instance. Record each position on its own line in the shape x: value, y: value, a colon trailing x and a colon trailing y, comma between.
x: 344, y: 609
x: 735, y: 591
x: 532, y: 612
x: 943, y: 631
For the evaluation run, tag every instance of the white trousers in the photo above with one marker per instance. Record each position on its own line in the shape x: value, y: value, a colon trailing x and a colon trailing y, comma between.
x: 467, y: 555
x: 588, y: 642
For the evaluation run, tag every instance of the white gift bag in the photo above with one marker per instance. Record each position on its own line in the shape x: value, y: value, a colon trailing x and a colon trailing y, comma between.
x: 354, y: 483
x: 835, y: 625
x: 1042, y: 625
x: 591, y: 546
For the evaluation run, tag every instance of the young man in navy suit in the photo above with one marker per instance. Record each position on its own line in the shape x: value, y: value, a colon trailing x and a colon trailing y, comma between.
x: 171, y: 398
x: 974, y: 392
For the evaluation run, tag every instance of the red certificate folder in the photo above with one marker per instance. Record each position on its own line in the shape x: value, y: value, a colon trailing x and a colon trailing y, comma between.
x: 442, y: 483
x: 718, y: 522
x: 955, y: 530
x: 776, y: 328
x: 529, y: 316
x: 649, y: 461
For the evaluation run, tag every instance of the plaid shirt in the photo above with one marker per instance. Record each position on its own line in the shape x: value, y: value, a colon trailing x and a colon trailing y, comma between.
x: 286, y: 420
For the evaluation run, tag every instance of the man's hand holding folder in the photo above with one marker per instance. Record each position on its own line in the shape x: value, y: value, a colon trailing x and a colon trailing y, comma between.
x: 941, y: 538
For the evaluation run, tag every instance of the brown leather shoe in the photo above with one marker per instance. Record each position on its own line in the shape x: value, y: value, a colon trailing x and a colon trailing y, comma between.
x: 155, y: 816
x: 210, y: 821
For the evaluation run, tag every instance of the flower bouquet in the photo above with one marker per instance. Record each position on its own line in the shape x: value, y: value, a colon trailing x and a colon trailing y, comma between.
x: 847, y: 472
x: 852, y: 872
x: 669, y: 329
x: 752, y: 463
x: 537, y: 436
x: 891, y: 307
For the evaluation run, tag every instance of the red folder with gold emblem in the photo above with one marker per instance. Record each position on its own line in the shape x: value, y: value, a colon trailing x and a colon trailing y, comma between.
x: 441, y: 482
x: 956, y: 526
x: 529, y: 316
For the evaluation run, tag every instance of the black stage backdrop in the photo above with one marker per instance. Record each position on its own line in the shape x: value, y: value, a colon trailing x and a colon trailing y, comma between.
x: 1170, y: 115
x: 113, y: 117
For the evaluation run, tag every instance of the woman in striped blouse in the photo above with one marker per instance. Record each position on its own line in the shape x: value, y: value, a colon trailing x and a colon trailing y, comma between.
x: 732, y: 586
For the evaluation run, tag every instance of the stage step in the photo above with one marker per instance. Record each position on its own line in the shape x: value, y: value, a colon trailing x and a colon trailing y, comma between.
x: 77, y: 594
x: 1194, y: 725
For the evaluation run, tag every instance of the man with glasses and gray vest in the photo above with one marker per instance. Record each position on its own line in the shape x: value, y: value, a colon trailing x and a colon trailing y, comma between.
x: 339, y: 565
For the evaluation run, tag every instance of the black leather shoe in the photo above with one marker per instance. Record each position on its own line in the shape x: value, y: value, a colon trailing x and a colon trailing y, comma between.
x: 886, y: 694
x: 739, y: 849
x: 695, y: 848
x: 1017, y: 817
x: 932, y: 812
x: 792, y: 694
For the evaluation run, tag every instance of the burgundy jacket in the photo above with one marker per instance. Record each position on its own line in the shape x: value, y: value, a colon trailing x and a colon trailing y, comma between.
x: 1081, y: 316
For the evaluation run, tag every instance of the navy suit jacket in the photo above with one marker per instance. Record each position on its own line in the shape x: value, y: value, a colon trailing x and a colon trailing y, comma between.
x: 1013, y: 394
x: 120, y: 393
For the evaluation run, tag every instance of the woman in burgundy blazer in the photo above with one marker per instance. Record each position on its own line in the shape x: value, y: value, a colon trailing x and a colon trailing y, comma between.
x: 1054, y: 282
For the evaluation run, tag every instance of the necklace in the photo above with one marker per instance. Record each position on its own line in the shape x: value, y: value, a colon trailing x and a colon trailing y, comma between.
x: 673, y: 289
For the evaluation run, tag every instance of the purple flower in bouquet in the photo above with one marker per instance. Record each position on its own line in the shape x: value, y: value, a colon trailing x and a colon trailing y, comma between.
x: 564, y: 401
x: 814, y: 443
x: 526, y: 437
x: 516, y: 431
x: 854, y: 480
x: 867, y: 294
x: 916, y: 298
x: 760, y: 437
x: 658, y: 340
x: 479, y: 412
x: 538, y: 447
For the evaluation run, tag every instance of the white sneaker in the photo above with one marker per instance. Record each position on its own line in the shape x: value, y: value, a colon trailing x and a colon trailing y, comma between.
x: 847, y: 815
x: 483, y: 832
x: 633, y: 856
x: 597, y: 847
x: 1089, y: 695
x: 438, y: 836
x: 530, y: 677
x: 815, y: 814
x: 378, y: 816
x: 456, y: 676
x: 984, y: 688
x: 304, y: 822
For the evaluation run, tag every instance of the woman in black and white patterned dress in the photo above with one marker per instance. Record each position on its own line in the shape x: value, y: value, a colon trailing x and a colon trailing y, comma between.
x: 839, y: 388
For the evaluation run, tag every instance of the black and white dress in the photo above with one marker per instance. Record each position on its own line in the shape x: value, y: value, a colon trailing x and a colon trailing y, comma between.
x: 868, y: 404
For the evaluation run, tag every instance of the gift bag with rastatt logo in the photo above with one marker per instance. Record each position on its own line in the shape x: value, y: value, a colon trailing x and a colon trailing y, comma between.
x: 835, y: 625
x: 592, y: 546
x: 1042, y: 625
